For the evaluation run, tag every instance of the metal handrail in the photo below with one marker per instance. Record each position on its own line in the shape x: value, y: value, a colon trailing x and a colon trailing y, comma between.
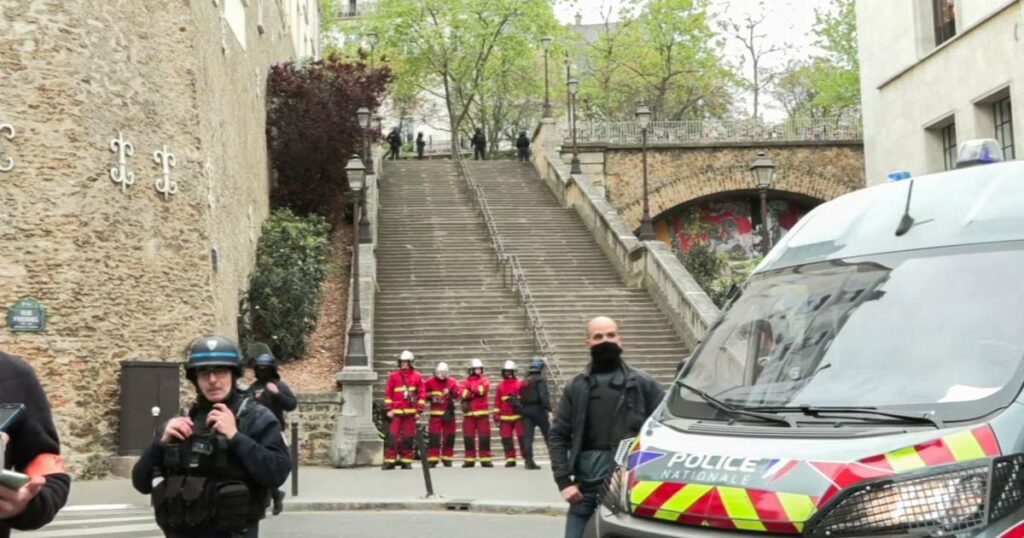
x: 836, y: 129
x: 512, y: 272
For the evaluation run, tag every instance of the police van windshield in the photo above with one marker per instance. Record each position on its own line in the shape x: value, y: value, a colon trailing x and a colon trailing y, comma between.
x: 911, y: 332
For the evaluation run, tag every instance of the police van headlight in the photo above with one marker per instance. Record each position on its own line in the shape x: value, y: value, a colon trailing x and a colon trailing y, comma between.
x: 941, y: 501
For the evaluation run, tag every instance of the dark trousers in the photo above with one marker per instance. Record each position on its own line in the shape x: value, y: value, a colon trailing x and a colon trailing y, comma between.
x: 394, y: 152
x: 534, y: 416
x: 478, y: 153
x: 580, y: 513
x: 419, y: 152
x: 524, y: 154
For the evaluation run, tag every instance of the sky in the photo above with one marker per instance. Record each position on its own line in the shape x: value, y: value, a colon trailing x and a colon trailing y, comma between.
x: 788, y: 22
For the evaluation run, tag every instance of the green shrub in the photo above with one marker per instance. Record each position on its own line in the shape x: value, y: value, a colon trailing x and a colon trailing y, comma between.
x: 283, y: 300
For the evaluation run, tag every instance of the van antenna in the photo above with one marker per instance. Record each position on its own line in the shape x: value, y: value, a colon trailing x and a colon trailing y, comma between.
x: 906, y: 222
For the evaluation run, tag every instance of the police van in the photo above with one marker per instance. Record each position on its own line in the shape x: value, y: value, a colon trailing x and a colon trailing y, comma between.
x: 865, y: 381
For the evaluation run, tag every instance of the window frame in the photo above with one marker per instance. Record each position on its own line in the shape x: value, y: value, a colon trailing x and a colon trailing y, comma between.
x: 950, y: 148
x: 944, y: 29
x: 1003, y: 122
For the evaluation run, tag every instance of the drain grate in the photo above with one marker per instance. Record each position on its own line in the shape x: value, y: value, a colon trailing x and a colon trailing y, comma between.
x: 458, y: 505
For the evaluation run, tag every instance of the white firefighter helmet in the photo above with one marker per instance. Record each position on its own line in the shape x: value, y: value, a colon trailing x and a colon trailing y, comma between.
x: 476, y: 363
x: 442, y: 367
x: 406, y: 356
x: 509, y: 365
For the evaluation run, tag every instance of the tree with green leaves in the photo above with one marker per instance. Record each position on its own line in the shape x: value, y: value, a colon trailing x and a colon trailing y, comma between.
x: 452, y: 49
x: 749, y: 33
x: 828, y: 84
x: 666, y: 55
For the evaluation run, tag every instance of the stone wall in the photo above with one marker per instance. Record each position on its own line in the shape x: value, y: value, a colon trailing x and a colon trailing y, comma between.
x: 317, y: 416
x: 126, y: 274
x: 682, y: 173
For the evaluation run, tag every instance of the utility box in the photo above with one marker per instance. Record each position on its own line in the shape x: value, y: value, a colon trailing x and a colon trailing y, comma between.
x: 146, y: 385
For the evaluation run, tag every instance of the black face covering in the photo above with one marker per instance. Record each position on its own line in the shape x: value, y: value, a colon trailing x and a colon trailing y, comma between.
x: 264, y: 374
x: 605, y: 357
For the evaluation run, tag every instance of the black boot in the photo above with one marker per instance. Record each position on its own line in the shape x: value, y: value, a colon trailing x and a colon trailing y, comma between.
x: 406, y: 465
x: 531, y: 465
x: 278, y: 501
x: 486, y: 464
x: 389, y: 465
x: 510, y: 463
x: 447, y: 463
x: 468, y: 464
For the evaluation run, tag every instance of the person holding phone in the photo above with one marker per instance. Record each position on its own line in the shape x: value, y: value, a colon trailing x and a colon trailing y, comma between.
x: 211, y: 473
x: 35, y: 485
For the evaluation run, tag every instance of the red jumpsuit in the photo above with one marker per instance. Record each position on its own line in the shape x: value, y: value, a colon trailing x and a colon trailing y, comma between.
x: 403, y: 396
x: 510, y: 418
x: 476, y: 421
x: 441, y: 394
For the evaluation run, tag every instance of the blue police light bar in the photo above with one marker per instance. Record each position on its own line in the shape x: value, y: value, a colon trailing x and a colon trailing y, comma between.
x: 898, y: 176
x: 981, y: 151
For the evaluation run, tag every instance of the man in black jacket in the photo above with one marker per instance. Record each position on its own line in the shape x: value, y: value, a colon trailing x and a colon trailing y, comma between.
x: 273, y: 393
x: 536, y: 408
x: 479, y: 142
x: 210, y: 473
x: 31, y: 448
x: 523, y: 147
x: 606, y: 403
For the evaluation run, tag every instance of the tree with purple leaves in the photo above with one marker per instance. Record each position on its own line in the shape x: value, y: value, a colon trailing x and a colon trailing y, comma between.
x: 312, y: 128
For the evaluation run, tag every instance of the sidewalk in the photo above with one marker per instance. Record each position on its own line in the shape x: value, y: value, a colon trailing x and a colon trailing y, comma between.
x: 498, y: 490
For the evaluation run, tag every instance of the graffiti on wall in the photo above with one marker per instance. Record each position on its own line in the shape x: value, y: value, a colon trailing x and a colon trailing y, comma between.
x: 729, y: 226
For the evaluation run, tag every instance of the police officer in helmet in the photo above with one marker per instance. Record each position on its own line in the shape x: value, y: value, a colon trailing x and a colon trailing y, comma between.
x: 273, y: 393
x: 210, y: 473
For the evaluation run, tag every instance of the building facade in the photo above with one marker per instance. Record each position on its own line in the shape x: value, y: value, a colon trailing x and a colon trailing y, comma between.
x: 935, y: 73
x: 137, y: 183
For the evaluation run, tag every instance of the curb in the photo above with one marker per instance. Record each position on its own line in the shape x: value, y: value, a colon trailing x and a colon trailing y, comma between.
x: 438, y: 504
x: 425, y: 505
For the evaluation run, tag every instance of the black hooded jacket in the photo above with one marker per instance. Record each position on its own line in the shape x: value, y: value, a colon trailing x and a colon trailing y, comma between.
x: 278, y: 403
x: 33, y: 435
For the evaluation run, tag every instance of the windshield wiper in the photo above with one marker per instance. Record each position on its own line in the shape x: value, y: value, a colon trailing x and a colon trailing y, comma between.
x: 817, y: 412
x: 735, y: 411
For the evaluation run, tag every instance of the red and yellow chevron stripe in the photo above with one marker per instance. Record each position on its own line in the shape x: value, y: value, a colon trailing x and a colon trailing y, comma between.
x: 722, y: 507
x: 962, y: 446
x: 787, y: 513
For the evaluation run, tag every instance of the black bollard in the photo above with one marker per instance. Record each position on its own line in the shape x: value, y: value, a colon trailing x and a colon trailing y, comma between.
x: 421, y: 436
x: 295, y: 459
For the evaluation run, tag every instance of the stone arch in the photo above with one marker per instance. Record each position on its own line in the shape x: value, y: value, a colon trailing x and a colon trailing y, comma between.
x: 681, y: 174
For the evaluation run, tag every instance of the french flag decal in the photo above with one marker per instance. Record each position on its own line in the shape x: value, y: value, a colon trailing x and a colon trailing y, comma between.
x: 779, y: 468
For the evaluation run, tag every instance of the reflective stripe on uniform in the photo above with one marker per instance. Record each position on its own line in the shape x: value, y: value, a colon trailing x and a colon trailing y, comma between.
x: 510, y: 418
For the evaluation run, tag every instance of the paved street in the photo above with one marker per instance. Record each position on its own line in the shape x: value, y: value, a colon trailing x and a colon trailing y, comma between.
x: 138, y: 523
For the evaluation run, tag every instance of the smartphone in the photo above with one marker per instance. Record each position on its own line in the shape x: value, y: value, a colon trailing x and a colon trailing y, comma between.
x: 13, y: 480
x: 10, y: 414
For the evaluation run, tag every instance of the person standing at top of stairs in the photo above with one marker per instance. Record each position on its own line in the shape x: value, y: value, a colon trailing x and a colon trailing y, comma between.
x: 479, y: 143
x: 476, y: 421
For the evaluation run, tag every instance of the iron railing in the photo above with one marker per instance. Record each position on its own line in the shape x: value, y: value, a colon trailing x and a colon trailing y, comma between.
x: 837, y: 129
x: 512, y: 273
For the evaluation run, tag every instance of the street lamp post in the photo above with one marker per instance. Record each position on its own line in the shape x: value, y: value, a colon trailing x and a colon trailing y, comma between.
x: 363, y: 116
x: 573, y: 88
x: 371, y: 39
x: 356, y: 355
x: 763, y: 172
x: 546, y: 42
x: 643, y: 116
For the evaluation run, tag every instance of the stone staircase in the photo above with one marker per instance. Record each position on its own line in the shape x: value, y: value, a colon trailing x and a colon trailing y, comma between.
x: 440, y: 294
x: 570, y: 278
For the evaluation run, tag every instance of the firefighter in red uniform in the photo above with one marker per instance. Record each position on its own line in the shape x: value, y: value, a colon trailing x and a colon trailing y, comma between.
x: 509, y: 411
x: 476, y: 422
x: 441, y: 392
x: 403, y: 397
